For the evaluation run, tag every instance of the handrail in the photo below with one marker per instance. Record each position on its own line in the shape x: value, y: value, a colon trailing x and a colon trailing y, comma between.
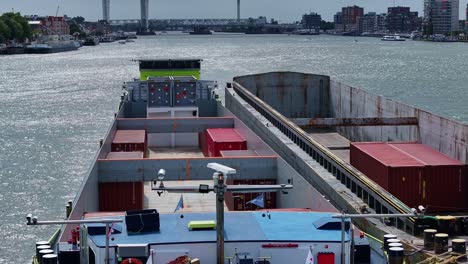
x: 398, y: 205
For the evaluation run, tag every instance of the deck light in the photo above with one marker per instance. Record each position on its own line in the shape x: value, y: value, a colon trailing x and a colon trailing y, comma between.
x: 422, y: 209
x: 28, y: 218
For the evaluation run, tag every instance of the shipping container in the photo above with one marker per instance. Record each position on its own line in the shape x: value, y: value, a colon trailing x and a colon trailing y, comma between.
x: 125, y: 155
x: 121, y: 196
x: 218, y: 139
x: 414, y: 173
x: 129, y: 140
x: 239, y: 201
x: 445, y: 185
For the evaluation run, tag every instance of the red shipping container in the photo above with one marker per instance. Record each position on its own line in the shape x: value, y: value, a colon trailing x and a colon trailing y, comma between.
x: 121, y: 196
x: 218, y: 139
x: 392, y: 169
x: 125, y: 155
x: 414, y: 173
x: 129, y: 140
x: 445, y: 185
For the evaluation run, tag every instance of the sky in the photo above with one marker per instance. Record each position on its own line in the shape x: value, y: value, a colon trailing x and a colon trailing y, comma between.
x: 284, y: 11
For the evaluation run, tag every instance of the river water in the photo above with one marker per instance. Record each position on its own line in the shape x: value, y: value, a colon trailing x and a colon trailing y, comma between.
x: 55, y: 108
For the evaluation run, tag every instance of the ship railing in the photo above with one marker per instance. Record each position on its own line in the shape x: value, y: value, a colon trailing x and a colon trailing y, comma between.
x: 33, y: 221
x: 372, y: 194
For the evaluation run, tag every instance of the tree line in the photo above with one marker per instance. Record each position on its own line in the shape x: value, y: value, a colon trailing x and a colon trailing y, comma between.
x: 14, y: 27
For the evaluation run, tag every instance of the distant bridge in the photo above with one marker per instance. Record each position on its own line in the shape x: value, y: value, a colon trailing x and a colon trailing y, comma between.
x: 144, y: 6
x: 194, y: 22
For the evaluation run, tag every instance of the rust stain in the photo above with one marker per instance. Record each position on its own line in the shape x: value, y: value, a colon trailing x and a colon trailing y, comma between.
x: 363, y: 121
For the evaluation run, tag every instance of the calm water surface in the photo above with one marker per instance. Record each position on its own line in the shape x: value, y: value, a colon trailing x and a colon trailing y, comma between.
x: 55, y: 108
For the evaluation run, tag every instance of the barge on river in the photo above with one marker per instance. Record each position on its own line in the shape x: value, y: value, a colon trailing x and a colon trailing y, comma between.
x: 278, y: 131
x: 172, y: 160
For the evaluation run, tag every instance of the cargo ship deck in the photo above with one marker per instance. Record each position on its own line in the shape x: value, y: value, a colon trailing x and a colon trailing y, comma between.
x: 153, y: 170
x: 333, y: 141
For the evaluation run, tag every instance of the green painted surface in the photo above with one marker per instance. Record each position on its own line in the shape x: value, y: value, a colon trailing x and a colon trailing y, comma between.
x: 144, y: 74
x: 207, y: 224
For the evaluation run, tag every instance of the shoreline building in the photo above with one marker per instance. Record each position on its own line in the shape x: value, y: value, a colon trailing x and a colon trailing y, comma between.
x: 351, y: 16
x: 400, y: 19
x: 372, y: 23
x: 55, y: 26
x: 338, y: 20
x: 441, y: 17
x: 311, y: 21
x: 348, y: 19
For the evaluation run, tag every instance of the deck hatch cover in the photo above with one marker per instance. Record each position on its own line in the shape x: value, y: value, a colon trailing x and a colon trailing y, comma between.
x: 100, y: 229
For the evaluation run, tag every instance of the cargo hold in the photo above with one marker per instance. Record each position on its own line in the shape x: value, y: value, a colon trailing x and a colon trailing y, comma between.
x: 238, y: 153
x: 240, y: 201
x: 121, y: 196
x: 125, y: 155
x: 129, y: 140
x: 414, y: 173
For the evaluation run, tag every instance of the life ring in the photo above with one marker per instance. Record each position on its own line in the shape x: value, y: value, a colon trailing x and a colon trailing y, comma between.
x: 131, y: 261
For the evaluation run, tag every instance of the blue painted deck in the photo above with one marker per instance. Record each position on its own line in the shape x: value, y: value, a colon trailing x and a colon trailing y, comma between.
x: 239, y: 226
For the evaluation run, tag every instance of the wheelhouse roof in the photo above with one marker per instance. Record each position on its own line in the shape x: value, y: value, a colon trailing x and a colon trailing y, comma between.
x: 239, y: 227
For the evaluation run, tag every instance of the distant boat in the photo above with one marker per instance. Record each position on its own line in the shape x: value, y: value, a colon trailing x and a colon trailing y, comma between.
x: 91, y: 41
x: 122, y: 41
x: 3, y: 49
x: 200, y: 30
x: 107, y: 39
x: 15, y: 49
x: 306, y: 32
x: 53, y: 44
x: 392, y: 38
